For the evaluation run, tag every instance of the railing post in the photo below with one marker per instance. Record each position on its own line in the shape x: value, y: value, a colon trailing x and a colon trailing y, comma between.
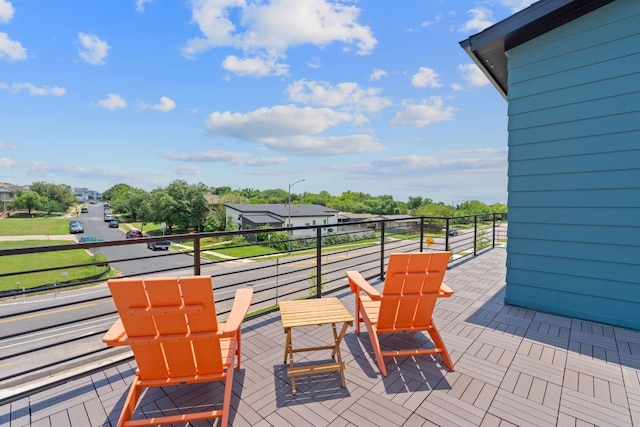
x: 475, y: 235
x: 493, y: 240
x: 318, y: 263
x: 196, y: 256
x: 421, y: 234
x: 446, y: 234
x: 382, y: 223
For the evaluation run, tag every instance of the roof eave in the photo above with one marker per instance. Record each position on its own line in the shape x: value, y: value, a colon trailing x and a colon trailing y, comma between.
x: 488, y: 48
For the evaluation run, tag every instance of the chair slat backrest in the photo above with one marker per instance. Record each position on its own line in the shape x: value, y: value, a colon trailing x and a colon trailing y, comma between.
x: 410, y: 290
x: 156, y: 311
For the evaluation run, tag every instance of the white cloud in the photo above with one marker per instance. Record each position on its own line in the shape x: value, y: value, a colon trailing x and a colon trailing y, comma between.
x: 140, y: 5
x: 271, y: 28
x: 94, y: 51
x: 7, y: 163
x: 11, y: 50
x: 377, y: 74
x: 165, y: 105
x: 254, y: 66
x: 186, y: 170
x: 408, y: 165
x: 433, y: 21
x: 6, y: 11
x: 516, y: 5
x: 348, y: 94
x: 235, y: 158
x: 34, y: 90
x: 289, y: 128
x: 480, y: 19
x: 472, y: 74
x: 314, y: 63
x: 425, y: 77
x: 112, y: 102
x: 431, y: 110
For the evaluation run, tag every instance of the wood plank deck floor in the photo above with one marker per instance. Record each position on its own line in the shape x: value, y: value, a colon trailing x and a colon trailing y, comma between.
x: 513, y: 367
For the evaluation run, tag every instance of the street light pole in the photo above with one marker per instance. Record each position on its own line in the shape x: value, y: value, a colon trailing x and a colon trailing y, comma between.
x: 289, y: 217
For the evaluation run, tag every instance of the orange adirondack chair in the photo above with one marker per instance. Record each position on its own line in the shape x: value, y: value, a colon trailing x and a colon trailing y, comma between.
x: 412, y: 285
x: 171, y: 325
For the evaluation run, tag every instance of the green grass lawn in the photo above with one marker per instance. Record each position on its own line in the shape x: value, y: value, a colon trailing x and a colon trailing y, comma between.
x: 18, y: 263
x: 33, y: 226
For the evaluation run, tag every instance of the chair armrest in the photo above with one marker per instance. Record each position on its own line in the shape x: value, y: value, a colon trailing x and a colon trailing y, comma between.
x: 357, y: 282
x: 241, y: 304
x: 445, y: 291
x: 115, y: 335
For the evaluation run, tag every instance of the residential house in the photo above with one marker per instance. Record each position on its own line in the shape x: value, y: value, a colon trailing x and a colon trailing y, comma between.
x: 570, y: 72
x: 8, y: 193
x: 248, y: 216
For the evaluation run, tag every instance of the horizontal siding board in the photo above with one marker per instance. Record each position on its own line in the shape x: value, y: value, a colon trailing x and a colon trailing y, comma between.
x: 576, y: 68
x: 579, y: 111
x: 613, y: 253
x: 610, y: 179
x: 583, y: 163
x: 602, y: 234
x: 580, y: 276
x: 602, y: 126
x: 576, y: 93
x: 573, y: 282
x: 608, y: 25
x: 574, y: 216
x: 613, y: 69
x: 614, y: 142
x: 609, y: 198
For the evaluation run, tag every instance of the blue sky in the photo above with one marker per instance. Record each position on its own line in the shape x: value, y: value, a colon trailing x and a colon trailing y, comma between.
x: 372, y: 96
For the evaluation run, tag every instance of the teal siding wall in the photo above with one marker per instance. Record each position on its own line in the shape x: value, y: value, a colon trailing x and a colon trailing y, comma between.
x: 574, y: 169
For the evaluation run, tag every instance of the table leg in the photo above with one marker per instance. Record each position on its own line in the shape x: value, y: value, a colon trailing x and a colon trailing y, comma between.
x: 336, y: 350
x: 288, y: 350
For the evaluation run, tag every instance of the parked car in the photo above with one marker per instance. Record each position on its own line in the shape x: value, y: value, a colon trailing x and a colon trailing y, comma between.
x: 453, y: 233
x: 114, y: 224
x: 162, y: 245
x: 108, y: 217
x: 76, y: 226
x: 133, y: 234
x: 84, y: 209
x: 89, y: 239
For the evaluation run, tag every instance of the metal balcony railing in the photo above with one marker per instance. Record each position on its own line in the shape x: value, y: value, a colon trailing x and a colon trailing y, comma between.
x: 52, y: 333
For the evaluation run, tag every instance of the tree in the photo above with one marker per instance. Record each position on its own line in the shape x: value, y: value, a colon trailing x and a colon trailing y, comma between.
x: 60, y: 193
x: 29, y: 200
x: 179, y: 205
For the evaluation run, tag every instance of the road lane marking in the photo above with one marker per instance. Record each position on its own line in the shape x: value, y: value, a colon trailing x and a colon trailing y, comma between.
x: 32, y: 316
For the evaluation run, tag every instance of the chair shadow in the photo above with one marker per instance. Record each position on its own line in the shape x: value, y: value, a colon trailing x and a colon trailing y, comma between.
x: 183, y: 399
x: 405, y: 374
x: 309, y: 388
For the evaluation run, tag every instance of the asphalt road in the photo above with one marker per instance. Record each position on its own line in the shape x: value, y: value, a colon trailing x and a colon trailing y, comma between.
x: 94, y: 225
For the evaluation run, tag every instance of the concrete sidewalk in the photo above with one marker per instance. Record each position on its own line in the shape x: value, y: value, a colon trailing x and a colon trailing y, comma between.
x: 38, y: 237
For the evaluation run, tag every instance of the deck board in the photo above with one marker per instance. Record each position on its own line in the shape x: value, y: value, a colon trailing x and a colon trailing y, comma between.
x: 514, y: 367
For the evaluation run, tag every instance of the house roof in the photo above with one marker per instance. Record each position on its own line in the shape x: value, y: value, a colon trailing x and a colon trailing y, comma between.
x: 262, y: 219
x: 282, y: 210
x: 487, y: 48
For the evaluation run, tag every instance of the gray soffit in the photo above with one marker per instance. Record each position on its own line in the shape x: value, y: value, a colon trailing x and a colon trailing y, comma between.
x: 487, y: 48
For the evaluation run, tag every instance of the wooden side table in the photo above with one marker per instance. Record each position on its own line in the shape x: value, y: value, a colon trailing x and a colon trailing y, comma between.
x: 312, y: 312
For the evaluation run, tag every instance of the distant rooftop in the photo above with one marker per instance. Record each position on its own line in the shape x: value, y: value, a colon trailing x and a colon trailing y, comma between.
x: 282, y: 210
